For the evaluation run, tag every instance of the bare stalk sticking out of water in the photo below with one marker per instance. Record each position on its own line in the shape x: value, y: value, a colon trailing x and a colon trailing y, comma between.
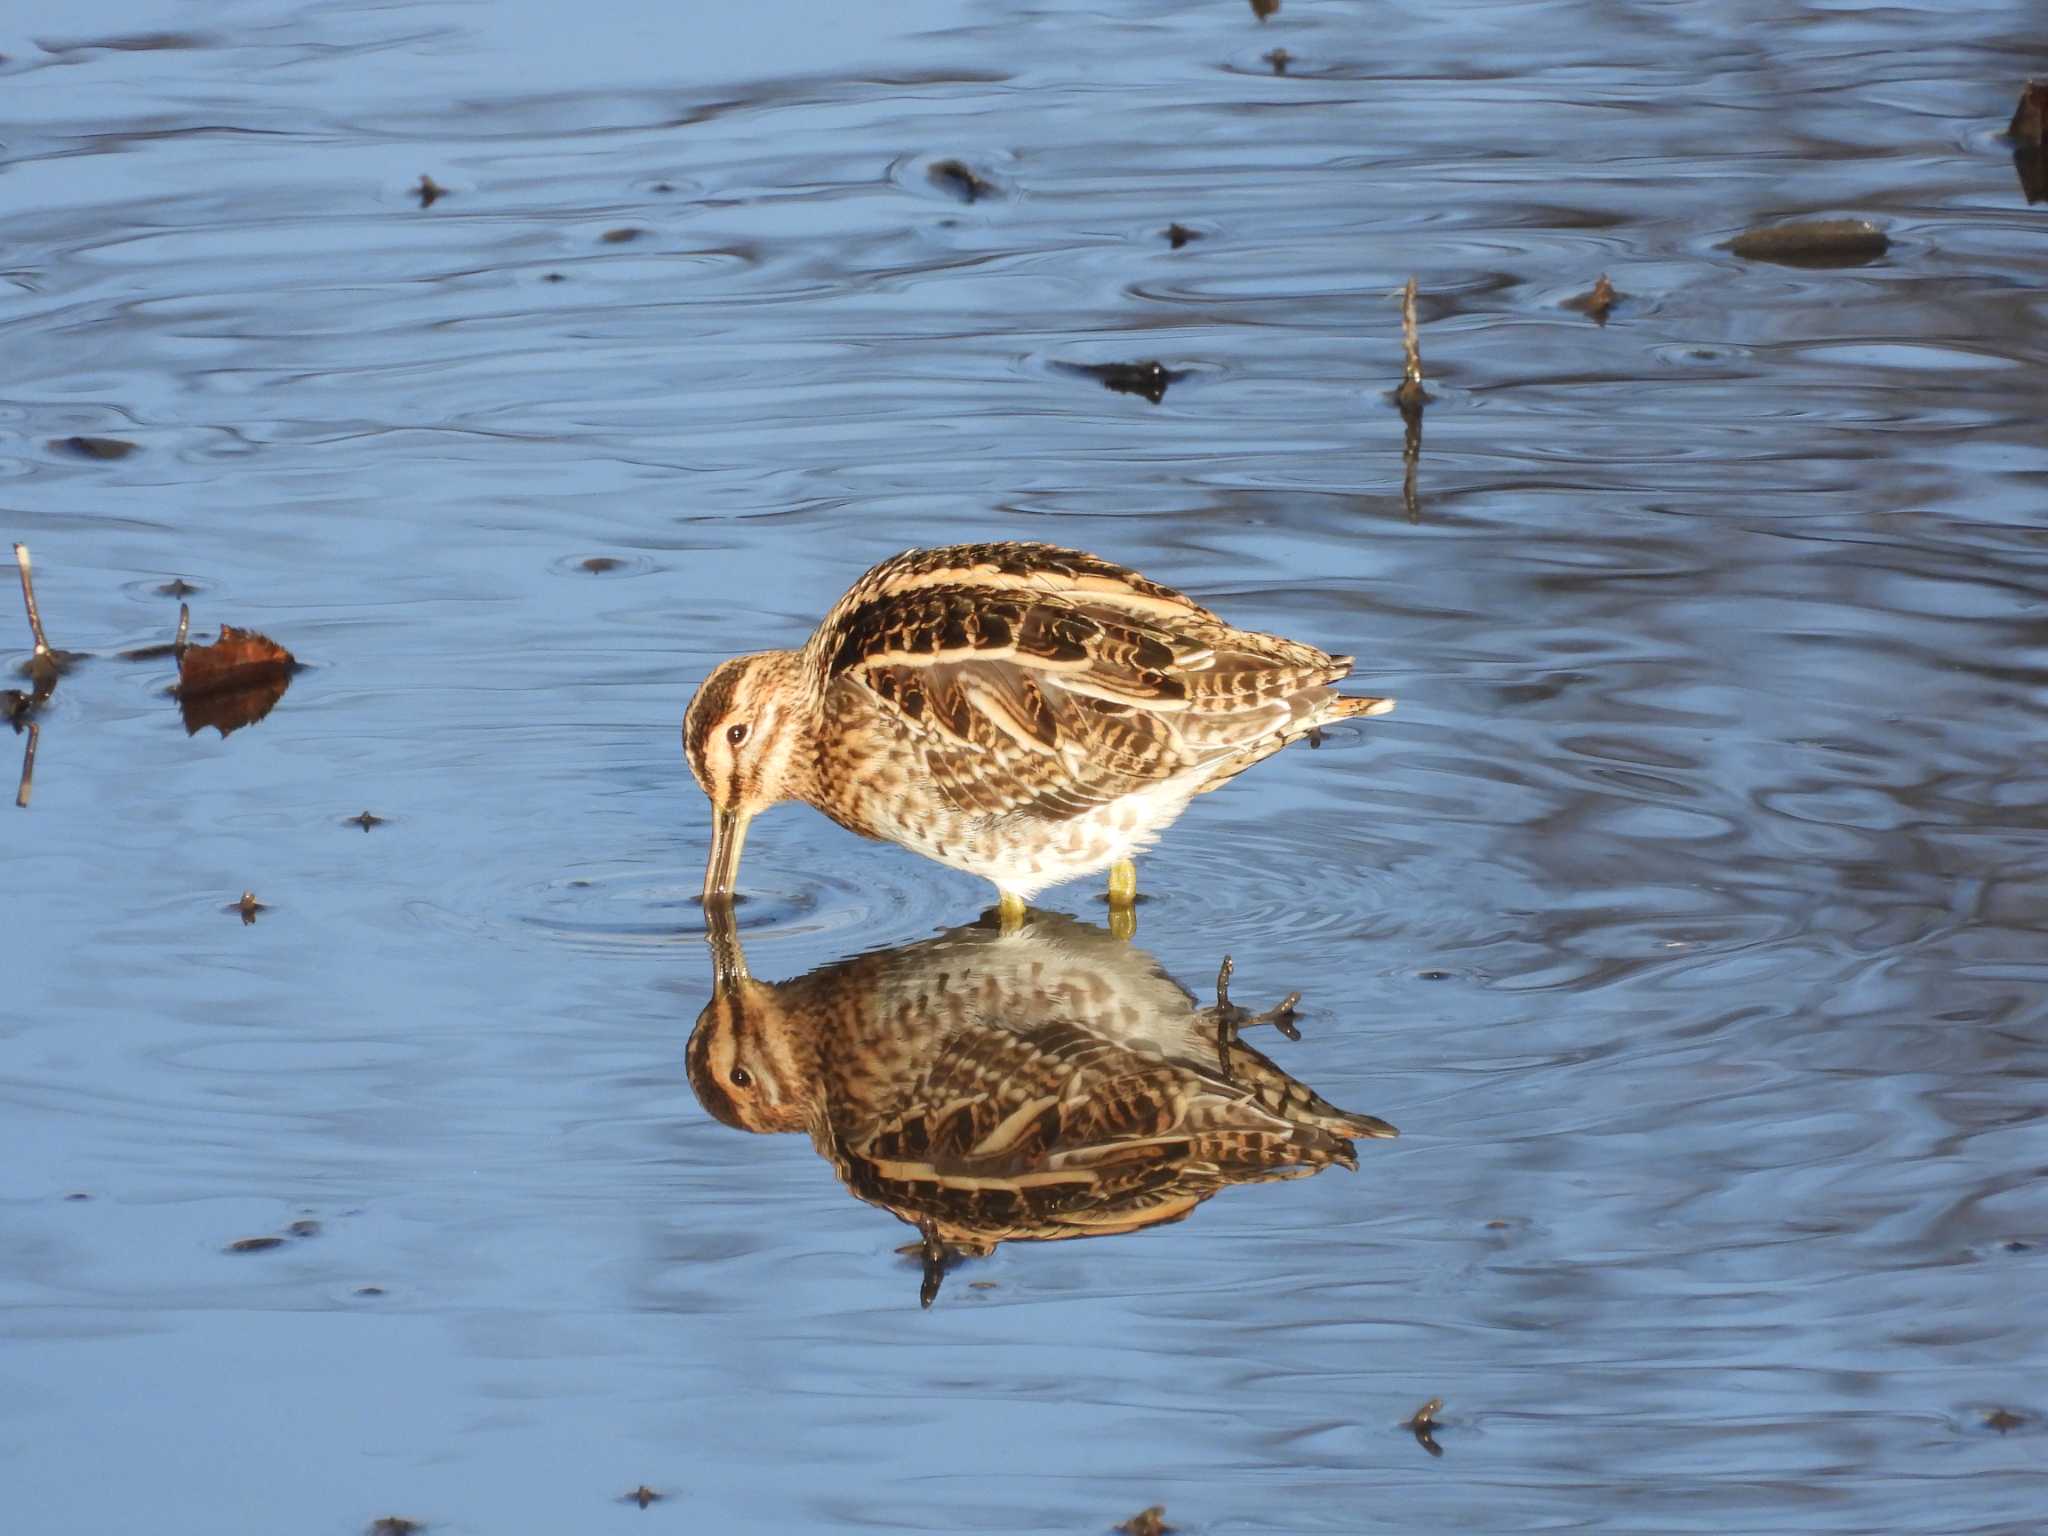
x: 184, y: 629
x: 28, y: 766
x: 1410, y: 396
x: 28, y: 598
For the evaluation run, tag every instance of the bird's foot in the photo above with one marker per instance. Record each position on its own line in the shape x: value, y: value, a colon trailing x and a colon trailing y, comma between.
x: 1231, y: 1020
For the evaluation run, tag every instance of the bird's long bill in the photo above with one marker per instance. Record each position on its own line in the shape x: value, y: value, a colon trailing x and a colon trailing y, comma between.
x: 728, y: 836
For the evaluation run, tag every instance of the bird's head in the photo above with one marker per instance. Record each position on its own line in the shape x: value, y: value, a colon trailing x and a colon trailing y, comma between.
x: 744, y: 737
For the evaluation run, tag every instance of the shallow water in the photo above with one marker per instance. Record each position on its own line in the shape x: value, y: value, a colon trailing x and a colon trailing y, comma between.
x: 1687, y: 917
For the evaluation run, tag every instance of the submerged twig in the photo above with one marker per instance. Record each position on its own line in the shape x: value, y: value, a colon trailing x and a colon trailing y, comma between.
x: 28, y: 766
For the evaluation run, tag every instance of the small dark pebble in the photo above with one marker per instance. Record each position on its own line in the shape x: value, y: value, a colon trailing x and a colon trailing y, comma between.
x: 428, y: 190
x: 621, y: 235
x: 304, y: 1227
x: 1813, y: 243
x: 1279, y: 58
x: 104, y: 449
x: 78, y: 1194
x: 395, y: 1525
x: 1147, y: 1522
x: 955, y: 180
x: 369, y: 1290
x: 597, y: 565
x: 253, y: 1245
x: 177, y: 586
x: 643, y: 1496
x: 1178, y: 235
x: 365, y: 821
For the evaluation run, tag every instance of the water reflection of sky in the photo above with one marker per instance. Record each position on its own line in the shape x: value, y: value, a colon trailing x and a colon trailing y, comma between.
x: 1686, y: 917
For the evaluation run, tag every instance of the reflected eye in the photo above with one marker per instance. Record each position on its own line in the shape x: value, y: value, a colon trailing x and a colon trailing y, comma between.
x: 736, y: 734
x: 741, y: 1077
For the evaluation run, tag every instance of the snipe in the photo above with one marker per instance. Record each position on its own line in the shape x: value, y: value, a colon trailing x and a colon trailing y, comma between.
x: 1027, y: 713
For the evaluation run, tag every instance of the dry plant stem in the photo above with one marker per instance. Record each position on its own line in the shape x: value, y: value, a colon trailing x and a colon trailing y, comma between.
x: 28, y: 598
x: 1411, y: 459
x: 184, y: 628
x: 28, y: 766
x: 1410, y: 395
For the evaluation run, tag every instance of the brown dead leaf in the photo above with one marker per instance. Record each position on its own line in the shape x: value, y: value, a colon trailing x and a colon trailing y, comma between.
x: 1147, y: 1522
x: 240, y: 658
x: 1596, y: 303
x: 234, y: 682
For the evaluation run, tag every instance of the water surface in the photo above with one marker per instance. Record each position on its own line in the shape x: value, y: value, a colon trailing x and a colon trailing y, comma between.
x: 1687, y: 917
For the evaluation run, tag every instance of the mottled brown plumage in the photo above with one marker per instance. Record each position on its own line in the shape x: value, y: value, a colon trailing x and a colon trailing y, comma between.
x: 1040, y: 1080
x: 1028, y: 713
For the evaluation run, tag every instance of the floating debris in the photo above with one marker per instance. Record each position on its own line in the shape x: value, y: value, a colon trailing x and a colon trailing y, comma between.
x: 642, y: 1496
x: 1178, y: 235
x: 621, y: 235
x: 597, y: 565
x: 1149, y: 1522
x: 428, y: 191
x: 1150, y: 379
x: 2029, y: 157
x: 233, y: 682
x: 178, y: 586
x: 395, y: 1525
x: 46, y: 663
x: 1423, y: 1426
x: 369, y: 1290
x: 553, y: 277
x: 2030, y: 117
x: 663, y: 186
x: 77, y: 1195
x: 2004, y: 1420
x: 957, y: 181
x: 1264, y: 8
x: 303, y: 1227
x: 104, y: 449
x: 1596, y: 303
x: 248, y: 906
x: 1279, y: 58
x: 1813, y: 243
x: 253, y: 1245
x: 365, y: 821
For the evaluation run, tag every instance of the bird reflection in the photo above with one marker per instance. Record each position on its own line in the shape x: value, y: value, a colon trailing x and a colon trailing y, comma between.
x: 1012, y: 1080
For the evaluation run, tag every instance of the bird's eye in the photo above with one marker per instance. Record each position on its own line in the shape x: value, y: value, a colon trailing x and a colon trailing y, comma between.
x: 736, y: 734
x: 741, y: 1077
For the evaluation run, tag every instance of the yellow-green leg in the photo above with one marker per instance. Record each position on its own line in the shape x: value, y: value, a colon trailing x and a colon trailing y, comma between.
x: 1123, y: 883
x: 1123, y: 899
x: 1010, y: 912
